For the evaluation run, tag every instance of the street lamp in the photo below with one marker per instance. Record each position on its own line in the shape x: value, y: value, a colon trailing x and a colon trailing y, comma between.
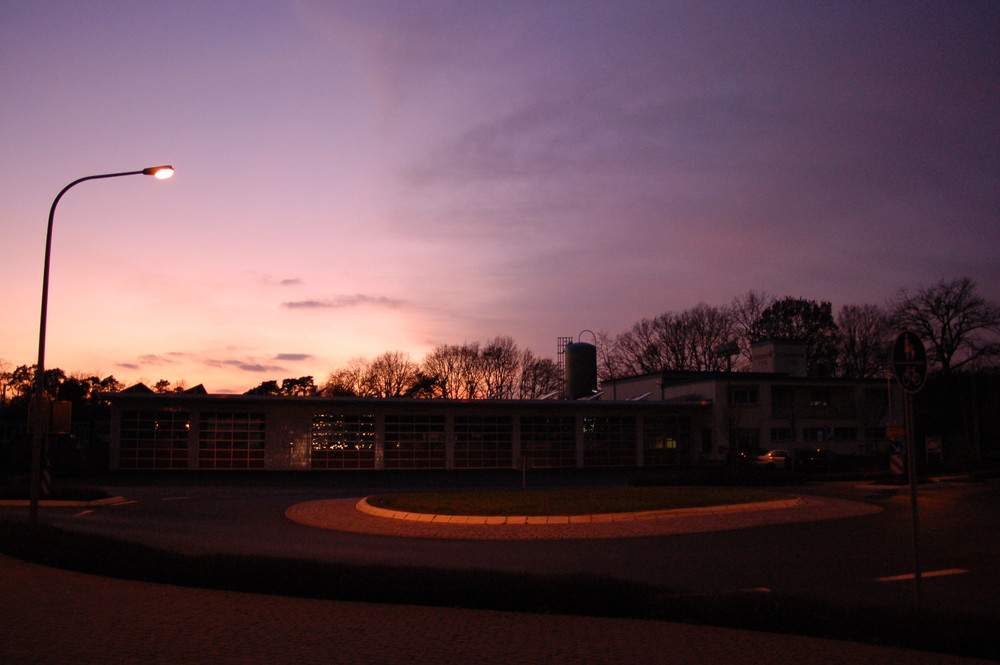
x: 39, y: 402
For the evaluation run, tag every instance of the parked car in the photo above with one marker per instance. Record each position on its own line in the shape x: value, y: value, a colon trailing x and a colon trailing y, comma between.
x: 819, y: 459
x: 775, y: 459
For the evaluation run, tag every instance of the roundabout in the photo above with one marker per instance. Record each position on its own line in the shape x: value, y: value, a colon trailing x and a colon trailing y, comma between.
x: 353, y: 516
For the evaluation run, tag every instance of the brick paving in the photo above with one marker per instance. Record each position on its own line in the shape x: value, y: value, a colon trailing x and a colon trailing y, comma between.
x: 55, y: 617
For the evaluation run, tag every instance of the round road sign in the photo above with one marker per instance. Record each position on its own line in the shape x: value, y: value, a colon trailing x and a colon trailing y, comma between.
x: 909, y: 361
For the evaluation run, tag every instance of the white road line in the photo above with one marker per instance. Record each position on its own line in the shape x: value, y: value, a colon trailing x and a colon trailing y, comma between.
x: 929, y: 573
x: 82, y: 513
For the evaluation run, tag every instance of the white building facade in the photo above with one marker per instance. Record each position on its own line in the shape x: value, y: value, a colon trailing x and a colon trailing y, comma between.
x: 776, y: 406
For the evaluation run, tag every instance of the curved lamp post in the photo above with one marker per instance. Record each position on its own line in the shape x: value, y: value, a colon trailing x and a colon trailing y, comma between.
x: 39, y: 406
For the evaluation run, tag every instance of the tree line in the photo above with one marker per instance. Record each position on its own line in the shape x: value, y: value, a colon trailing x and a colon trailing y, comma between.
x: 960, y: 329
x: 497, y: 369
x: 17, y: 384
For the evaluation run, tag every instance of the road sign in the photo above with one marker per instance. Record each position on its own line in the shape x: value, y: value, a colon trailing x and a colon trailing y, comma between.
x: 909, y: 364
x: 909, y: 361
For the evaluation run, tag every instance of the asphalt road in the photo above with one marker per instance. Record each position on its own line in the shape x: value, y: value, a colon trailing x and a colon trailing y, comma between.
x: 843, y: 561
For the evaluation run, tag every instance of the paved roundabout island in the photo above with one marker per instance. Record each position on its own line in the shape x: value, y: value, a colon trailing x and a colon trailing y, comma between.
x: 356, y: 516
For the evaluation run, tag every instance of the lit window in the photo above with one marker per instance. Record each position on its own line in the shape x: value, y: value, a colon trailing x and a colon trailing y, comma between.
x: 819, y: 397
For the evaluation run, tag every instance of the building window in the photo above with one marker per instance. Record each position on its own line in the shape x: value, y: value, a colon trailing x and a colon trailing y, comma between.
x: 782, y: 397
x: 816, y: 434
x: 706, y: 441
x: 609, y: 441
x: 744, y: 440
x: 155, y: 439
x: 666, y: 440
x: 483, y: 442
x: 819, y: 397
x: 231, y: 441
x: 845, y: 433
x: 549, y: 441
x: 414, y: 442
x: 343, y: 441
x: 782, y: 402
x: 876, y: 402
x: 781, y: 435
x: 743, y: 395
x: 876, y: 434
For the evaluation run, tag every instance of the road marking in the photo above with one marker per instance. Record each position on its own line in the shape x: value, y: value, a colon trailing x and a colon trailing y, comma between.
x: 123, y: 503
x: 82, y: 513
x: 929, y: 573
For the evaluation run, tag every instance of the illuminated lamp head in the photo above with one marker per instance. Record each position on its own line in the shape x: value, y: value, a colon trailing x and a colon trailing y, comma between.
x: 159, y: 172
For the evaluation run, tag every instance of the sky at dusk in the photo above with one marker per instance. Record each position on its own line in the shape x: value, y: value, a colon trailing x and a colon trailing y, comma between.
x: 358, y: 177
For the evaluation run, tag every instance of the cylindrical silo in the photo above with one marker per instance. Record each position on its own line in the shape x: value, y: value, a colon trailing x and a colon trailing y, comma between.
x: 581, y: 370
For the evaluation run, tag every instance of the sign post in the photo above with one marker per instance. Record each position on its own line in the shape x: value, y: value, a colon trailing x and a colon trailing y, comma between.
x: 909, y: 364
x: 897, y: 461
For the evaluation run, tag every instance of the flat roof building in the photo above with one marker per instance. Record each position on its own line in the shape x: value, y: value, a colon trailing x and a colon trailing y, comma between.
x: 659, y: 419
x: 776, y: 406
x: 202, y: 431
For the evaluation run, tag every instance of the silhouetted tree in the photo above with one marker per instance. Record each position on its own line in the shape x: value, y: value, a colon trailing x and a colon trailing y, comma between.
x: 866, y: 336
x: 960, y: 327
x: 300, y: 387
x: 637, y: 349
x: 77, y: 389
x: 456, y: 369
x: 389, y: 375
x: 607, y: 357
x: 686, y: 341
x: 110, y: 384
x: 746, y: 310
x: 265, y: 388
x: 346, y: 381
x: 424, y: 386
x: 539, y: 376
x: 500, y: 367
x: 6, y: 372
x: 807, y: 320
x: 703, y: 331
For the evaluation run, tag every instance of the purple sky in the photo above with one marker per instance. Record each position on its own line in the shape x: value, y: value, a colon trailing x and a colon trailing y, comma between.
x: 360, y: 177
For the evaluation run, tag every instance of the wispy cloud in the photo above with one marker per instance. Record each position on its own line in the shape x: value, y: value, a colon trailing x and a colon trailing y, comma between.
x: 296, y: 357
x: 267, y: 279
x: 248, y: 364
x: 245, y: 366
x: 341, y: 302
x: 155, y: 359
x: 152, y: 359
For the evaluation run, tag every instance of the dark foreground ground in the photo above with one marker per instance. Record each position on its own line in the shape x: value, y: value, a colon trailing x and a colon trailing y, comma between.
x: 550, y: 598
